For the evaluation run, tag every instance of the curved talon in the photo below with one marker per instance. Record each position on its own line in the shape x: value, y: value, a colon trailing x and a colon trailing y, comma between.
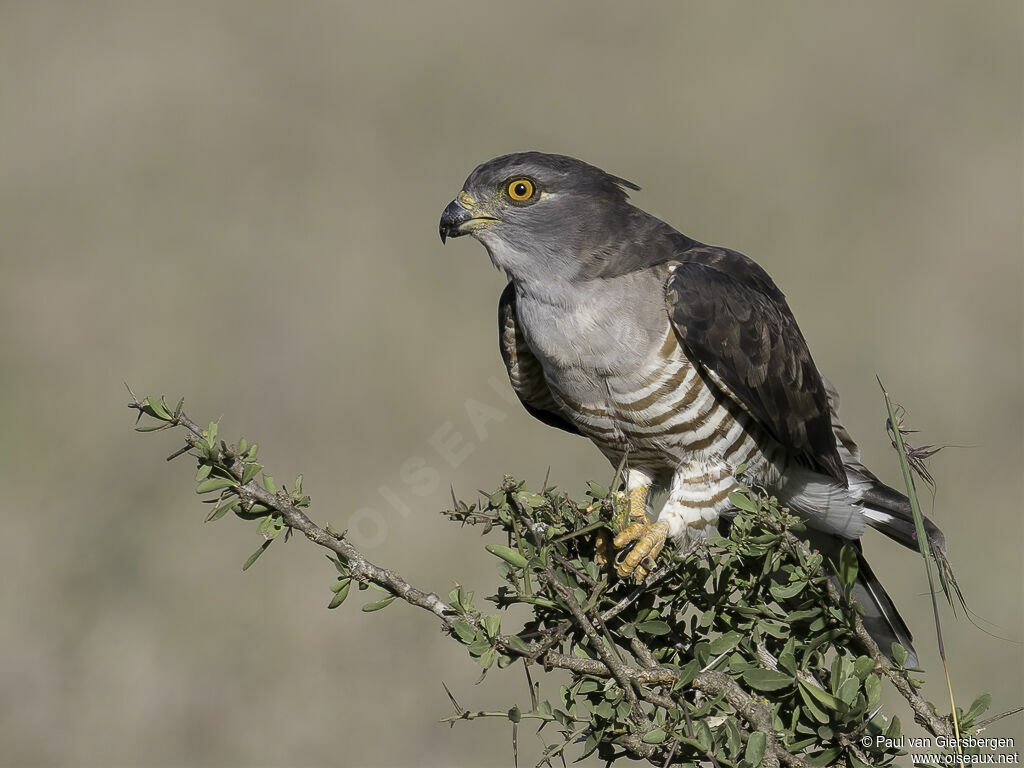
x: 650, y: 540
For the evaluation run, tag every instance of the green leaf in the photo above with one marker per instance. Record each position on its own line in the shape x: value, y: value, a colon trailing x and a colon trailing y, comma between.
x: 532, y: 500
x: 899, y: 654
x: 766, y: 679
x: 855, y: 762
x: 862, y: 667
x: 340, y: 594
x: 249, y: 471
x: 580, y: 652
x: 492, y: 625
x: 509, y: 555
x: 733, y: 741
x: 824, y: 698
x: 787, y: 659
x: 724, y: 643
x: 980, y: 705
x: 655, y: 736
x: 214, y: 484
x: 702, y: 731
x: 222, y: 510
x: 841, y: 669
x: 803, y: 615
x: 465, y: 632
x: 253, y: 512
x: 271, y: 526
x: 155, y: 408
x: 873, y: 690
x: 519, y: 645
x: 754, y: 752
x: 686, y: 675
x: 742, y: 502
x: 849, y: 565
x: 827, y: 757
x: 848, y: 691
x: 655, y: 627
x: 203, y: 472
x: 269, y: 485
x: 152, y: 428
x: 812, y: 706
x: 479, y: 646
x: 788, y: 591
x: 383, y: 603
x: 256, y: 555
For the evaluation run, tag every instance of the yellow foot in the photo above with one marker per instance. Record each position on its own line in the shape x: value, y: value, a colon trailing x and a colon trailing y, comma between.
x: 649, y: 539
x: 603, y: 547
x: 643, y: 539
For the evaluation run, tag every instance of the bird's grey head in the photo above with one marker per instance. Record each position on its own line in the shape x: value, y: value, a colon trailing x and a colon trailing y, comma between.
x: 539, y: 216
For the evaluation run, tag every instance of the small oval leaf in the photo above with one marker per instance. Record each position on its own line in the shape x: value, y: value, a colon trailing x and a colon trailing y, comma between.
x: 509, y: 555
x: 214, y: 484
x: 384, y: 603
x: 655, y: 736
x: 340, y: 595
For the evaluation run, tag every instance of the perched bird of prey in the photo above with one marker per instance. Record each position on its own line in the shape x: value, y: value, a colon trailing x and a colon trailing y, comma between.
x: 682, y: 359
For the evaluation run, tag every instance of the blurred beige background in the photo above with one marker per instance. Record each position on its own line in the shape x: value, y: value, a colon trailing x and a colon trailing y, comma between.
x: 238, y: 203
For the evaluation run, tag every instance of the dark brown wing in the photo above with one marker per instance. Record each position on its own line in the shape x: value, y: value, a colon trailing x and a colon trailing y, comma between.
x: 732, y: 320
x: 524, y: 370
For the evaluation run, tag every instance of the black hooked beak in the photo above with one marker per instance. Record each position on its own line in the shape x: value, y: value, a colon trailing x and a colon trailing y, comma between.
x: 458, y: 220
x: 454, y: 216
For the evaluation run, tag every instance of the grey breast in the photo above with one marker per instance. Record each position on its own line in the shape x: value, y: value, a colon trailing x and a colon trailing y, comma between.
x: 616, y: 369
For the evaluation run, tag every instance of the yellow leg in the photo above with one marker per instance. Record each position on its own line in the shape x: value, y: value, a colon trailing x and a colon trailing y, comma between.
x: 635, y: 509
x: 648, y: 538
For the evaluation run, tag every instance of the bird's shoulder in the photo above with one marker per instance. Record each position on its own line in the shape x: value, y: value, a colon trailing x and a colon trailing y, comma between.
x: 648, y: 244
x: 727, y: 267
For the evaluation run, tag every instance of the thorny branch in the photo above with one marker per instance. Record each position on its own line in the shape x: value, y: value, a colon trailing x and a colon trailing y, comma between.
x: 641, y: 678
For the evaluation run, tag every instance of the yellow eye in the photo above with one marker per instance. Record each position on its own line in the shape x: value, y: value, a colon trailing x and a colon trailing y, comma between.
x: 520, y: 190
